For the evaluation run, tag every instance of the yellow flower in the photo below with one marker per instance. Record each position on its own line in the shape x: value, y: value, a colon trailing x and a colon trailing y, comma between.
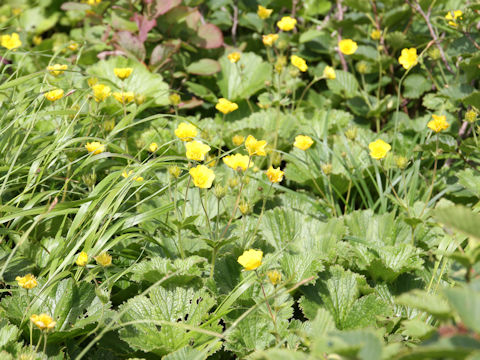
x: 27, y: 282
x: 375, y: 34
x: 57, y: 69
x: 269, y: 40
x: 274, y: 175
x: 126, y: 175
x: 43, y: 321
x: 299, y: 63
x: 255, y: 147
x: 100, y: 92
x: 234, y: 57
x: 122, y: 73
x: 174, y: 99
x: 37, y: 40
x: 457, y: 14
x: 408, y: 58
x: 238, y: 140
x: 303, y: 142
x: 263, y: 12
x: 251, y: 259
x: 329, y: 73
x: 287, y: 23
x: 104, y: 259
x: 196, y: 150
x: 124, y: 97
x: 174, y: 170
x: 95, y: 147
x: 274, y: 276
x: 379, y: 149
x: 225, y: 106
x: 438, y: 123
x: 347, y: 46
x: 11, y: 42
x: 93, y: 2
x: 16, y: 11
x: 202, y: 176
x: 186, y: 131
x: 54, y: 95
x: 82, y: 259
x: 238, y: 162
x: 73, y: 46
x: 153, y: 147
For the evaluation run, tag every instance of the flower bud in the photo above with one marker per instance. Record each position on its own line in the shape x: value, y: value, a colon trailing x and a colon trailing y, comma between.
x: 90, y: 179
x: 351, y: 133
x: 362, y: 67
x: 219, y: 191
x: 327, y: 169
x: 434, y: 53
x: 471, y: 116
x: 174, y: 171
x: 108, y: 125
x: 174, y: 99
x: 401, y: 162
x: 232, y: 182
x: 274, y: 276
x: 244, y: 208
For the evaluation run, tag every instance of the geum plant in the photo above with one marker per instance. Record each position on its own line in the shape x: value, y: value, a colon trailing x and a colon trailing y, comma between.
x: 233, y: 179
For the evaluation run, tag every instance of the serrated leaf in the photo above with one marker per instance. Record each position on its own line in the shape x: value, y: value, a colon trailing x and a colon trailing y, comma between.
x: 430, y: 303
x: 252, y: 333
x: 345, y: 84
x: 299, y: 267
x: 171, y: 309
x: 184, y: 271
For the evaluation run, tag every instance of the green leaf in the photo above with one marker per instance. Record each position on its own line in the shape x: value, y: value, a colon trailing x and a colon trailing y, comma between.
x: 338, y: 290
x: 473, y: 99
x: 300, y: 267
x: 204, y: 67
x: 186, y: 270
x: 279, y: 354
x: 431, y: 303
x: 8, y: 333
x: 74, y: 306
x: 252, y: 333
x: 415, y: 85
x: 244, y: 78
x: 461, y: 219
x: 163, y: 316
x: 466, y: 302
x: 140, y: 82
x: 417, y: 329
x: 362, y: 345
x: 345, y: 84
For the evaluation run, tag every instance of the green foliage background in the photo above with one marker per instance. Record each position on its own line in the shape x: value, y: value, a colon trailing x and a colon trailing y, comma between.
x: 378, y: 258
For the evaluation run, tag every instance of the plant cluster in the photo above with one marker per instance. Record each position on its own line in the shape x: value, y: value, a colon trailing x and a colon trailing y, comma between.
x: 221, y: 179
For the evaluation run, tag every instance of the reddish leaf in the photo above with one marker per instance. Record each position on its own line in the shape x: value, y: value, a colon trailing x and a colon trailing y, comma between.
x: 144, y: 26
x: 164, y: 6
x: 209, y: 36
x: 190, y: 104
x: 131, y: 44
